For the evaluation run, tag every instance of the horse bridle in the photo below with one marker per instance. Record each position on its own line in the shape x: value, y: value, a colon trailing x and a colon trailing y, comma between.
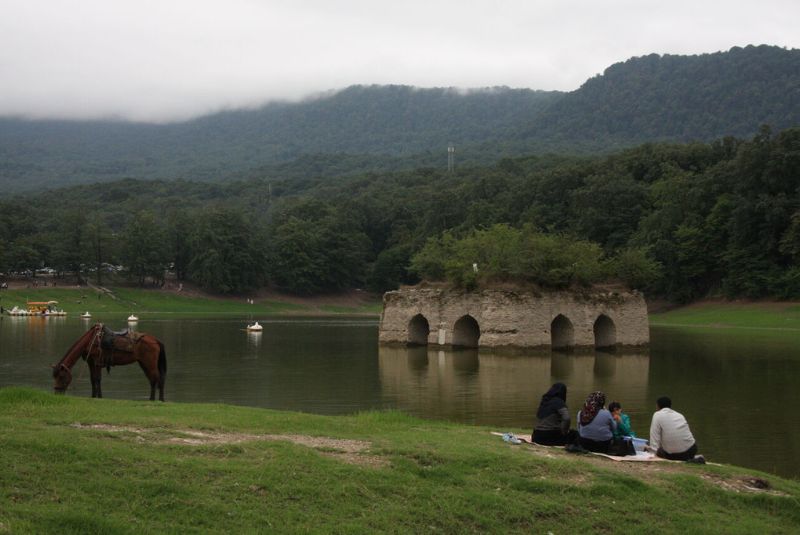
x: 66, y: 370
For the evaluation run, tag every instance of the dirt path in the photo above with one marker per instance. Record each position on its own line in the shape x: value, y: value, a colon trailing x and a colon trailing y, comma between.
x: 345, y: 450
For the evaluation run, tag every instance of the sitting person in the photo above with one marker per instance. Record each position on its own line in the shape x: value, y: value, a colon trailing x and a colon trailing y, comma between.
x: 552, y: 427
x: 670, y: 435
x: 595, y: 425
x: 622, y: 419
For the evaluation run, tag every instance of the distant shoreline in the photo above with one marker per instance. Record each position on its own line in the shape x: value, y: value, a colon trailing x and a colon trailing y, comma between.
x: 714, y: 314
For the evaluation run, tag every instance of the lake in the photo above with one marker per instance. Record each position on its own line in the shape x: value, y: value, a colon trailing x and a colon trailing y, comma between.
x: 737, y: 388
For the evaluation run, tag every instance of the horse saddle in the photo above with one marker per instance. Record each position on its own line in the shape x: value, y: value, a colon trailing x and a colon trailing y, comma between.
x: 119, y: 341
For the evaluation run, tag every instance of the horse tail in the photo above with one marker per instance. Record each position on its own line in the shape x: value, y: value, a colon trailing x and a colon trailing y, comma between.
x: 162, y: 359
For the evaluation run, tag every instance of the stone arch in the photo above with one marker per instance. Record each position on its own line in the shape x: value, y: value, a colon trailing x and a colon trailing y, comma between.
x: 418, y: 330
x: 466, y: 332
x: 562, y: 333
x: 605, y: 332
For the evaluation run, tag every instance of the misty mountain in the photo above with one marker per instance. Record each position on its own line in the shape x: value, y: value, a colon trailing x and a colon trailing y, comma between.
x: 397, y: 123
x: 383, y: 128
x: 678, y: 98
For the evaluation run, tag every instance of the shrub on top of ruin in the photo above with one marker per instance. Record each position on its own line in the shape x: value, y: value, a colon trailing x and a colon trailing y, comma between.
x: 502, y: 253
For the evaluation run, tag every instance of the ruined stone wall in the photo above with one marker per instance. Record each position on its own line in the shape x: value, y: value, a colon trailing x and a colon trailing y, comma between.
x: 497, y: 318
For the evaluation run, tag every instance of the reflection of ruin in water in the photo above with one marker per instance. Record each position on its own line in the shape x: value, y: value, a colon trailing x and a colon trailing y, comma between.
x: 417, y: 358
x: 473, y: 386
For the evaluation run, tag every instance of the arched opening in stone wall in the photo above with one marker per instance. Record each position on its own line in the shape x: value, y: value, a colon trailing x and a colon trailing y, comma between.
x: 466, y: 332
x: 418, y: 330
x: 605, y: 333
x: 562, y: 334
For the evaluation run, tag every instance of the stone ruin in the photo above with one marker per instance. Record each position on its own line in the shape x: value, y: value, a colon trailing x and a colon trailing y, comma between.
x: 523, y: 319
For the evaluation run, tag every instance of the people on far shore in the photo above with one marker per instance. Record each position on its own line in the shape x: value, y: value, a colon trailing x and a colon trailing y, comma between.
x: 622, y: 419
x: 553, y: 420
x: 670, y: 435
x: 596, y: 426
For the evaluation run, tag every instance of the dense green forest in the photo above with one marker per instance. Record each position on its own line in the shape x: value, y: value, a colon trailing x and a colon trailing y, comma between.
x: 381, y: 129
x: 679, y: 98
x: 681, y: 221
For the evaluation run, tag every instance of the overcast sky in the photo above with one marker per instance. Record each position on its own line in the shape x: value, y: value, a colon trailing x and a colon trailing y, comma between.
x: 163, y: 60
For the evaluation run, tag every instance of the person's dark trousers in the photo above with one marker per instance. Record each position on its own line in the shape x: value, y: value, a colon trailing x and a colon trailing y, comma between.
x: 554, y: 437
x: 598, y: 446
x: 684, y: 456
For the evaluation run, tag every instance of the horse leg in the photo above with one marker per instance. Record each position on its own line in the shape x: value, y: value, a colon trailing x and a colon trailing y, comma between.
x: 96, y: 374
x: 153, y: 378
x: 161, y: 379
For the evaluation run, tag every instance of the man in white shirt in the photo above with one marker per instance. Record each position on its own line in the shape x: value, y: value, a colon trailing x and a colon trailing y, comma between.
x: 670, y: 435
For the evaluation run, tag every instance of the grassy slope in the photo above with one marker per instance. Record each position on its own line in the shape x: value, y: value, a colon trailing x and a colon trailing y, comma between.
x: 58, y: 478
x: 784, y: 316
x: 128, y: 300
x: 733, y: 315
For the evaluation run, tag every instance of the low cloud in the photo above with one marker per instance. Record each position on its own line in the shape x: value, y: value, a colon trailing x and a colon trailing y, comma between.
x: 165, y: 61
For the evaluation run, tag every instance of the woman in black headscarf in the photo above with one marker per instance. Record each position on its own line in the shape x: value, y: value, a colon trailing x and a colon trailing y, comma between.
x: 552, y: 427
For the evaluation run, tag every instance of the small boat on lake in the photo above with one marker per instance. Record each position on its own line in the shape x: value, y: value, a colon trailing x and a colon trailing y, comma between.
x: 44, y: 308
x: 255, y: 328
x: 86, y: 315
x: 133, y: 318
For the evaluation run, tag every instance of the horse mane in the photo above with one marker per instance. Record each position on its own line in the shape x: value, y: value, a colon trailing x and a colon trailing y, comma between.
x: 71, y: 356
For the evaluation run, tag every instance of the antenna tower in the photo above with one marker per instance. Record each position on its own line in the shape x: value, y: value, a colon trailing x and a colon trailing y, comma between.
x: 451, y: 152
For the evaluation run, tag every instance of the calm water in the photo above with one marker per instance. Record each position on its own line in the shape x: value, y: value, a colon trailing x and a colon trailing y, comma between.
x: 738, y: 389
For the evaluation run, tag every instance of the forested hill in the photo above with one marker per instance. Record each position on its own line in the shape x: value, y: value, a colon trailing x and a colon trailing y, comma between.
x: 678, y: 98
x: 382, y: 128
x: 398, y: 126
x: 681, y: 221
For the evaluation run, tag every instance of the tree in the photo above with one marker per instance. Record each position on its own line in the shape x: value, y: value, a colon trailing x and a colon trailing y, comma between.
x: 310, y: 256
x: 179, y: 232
x: 391, y: 269
x: 636, y: 268
x: 69, y: 250
x: 226, y: 255
x: 144, y: 251
x: 99, y: 240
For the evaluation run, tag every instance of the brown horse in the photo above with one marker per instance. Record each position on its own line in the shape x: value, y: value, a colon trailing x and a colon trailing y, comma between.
x: 100, y: 347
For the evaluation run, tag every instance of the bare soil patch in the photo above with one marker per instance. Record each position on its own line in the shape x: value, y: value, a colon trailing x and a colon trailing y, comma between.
x: 345, y: 450
x: 650, y: 471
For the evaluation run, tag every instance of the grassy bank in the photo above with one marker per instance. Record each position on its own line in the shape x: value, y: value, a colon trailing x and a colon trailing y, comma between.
x: 76, y: 465
x: 785, y: 316
x: 124, y: 300
x: 127, y: 300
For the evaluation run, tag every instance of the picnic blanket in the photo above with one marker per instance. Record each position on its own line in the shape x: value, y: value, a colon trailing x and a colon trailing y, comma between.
x: 641, y: 456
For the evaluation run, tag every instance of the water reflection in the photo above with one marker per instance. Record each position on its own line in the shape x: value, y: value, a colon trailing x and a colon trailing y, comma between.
x: 731, y: 385
x: 502, y: 389
x: 254, y: 338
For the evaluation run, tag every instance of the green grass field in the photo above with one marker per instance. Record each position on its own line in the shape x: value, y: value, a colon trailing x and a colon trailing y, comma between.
x: 784, y: 316
x: 135, y: 300
x: 77, y: 465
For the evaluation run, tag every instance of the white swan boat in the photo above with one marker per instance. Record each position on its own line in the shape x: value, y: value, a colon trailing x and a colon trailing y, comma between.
x: 255, y: 328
